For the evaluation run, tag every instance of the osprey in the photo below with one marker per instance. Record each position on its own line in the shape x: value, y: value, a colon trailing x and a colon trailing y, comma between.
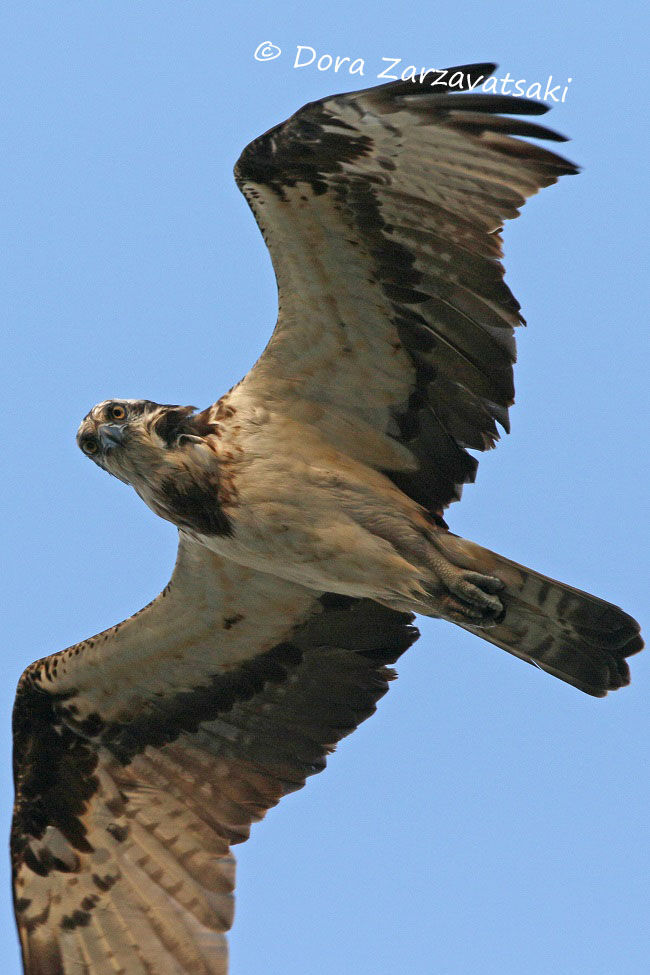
x: 309, y: 504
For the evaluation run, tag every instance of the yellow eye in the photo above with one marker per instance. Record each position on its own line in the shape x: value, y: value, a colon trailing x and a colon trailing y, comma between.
x: 117, y: 412
x: 89, y: 445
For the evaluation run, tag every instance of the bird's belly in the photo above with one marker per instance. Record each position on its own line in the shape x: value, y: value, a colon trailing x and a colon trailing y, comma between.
x: 307, y: 562
x: 329, y: 554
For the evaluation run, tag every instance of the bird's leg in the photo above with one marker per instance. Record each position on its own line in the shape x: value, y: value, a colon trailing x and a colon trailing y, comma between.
x: 465, y: 595
x: 453, y: 579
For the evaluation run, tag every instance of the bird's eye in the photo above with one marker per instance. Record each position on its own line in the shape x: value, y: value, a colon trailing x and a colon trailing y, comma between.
x: 117, y: 412
x: 89, y: 445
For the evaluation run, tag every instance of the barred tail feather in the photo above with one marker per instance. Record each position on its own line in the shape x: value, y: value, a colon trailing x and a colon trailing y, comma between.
x: 571, y: 634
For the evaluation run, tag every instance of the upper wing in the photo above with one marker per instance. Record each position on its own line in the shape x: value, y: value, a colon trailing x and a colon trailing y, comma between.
x: 381, y: 209
x: 143, y: 753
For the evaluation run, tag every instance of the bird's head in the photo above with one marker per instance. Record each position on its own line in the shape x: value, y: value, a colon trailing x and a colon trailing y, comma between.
x: 132, y: 439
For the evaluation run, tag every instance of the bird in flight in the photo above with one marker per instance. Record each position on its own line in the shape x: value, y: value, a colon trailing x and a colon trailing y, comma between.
x: 309, y: 504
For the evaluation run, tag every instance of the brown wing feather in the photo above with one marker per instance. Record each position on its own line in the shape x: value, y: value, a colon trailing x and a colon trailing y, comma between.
x: 130, y: 793
x: 381, y: 209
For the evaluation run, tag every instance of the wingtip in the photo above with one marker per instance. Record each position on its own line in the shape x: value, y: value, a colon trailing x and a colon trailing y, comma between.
x: 459, y: 78
x: 478, y: 67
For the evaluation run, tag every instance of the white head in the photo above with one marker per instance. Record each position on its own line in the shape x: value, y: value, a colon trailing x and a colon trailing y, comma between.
x: 135, y: 439
x: 167, y: 453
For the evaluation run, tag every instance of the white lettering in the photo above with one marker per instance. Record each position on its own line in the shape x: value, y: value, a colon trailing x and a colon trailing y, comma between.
x: 444, y: 78
x: 472, y: 84
x: 441, y: 79
x: 549, y: 90
x: 424, y: 72
x: 506, y: 81
x: 393, y: 63
x: 299, y: 50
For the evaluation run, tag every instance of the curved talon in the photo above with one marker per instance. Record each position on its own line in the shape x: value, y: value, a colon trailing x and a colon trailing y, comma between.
x: 452, y: 608
x: 484, y: 582
x: 472, y: 597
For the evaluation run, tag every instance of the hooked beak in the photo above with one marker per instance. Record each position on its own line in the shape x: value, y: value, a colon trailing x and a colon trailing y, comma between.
x: 110, y: 435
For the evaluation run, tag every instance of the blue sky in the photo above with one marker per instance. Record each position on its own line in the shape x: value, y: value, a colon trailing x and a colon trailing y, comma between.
x: 488, y: 819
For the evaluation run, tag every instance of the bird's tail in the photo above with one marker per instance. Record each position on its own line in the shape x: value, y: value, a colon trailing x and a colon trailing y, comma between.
x: 571, y: 634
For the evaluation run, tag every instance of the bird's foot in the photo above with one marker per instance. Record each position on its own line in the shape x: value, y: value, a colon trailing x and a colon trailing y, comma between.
x: 470, y: 597
x: 463, y: 594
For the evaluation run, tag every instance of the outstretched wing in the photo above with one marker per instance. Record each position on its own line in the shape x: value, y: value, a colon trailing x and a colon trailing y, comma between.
x: 143, y: 753
x: 382, y: 209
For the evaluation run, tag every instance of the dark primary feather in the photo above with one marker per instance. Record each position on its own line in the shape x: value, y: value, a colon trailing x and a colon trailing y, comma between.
x: 124, y: 816
x: 397, y: 194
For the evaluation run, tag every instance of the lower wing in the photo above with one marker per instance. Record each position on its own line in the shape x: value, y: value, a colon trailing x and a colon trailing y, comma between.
x: 143, y: 753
